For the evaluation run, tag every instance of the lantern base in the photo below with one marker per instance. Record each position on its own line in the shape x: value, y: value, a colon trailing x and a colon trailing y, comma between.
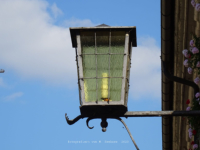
x: 103, y: 110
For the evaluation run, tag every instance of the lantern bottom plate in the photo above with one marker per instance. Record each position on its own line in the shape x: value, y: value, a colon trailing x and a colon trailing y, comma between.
x: 108, y: 111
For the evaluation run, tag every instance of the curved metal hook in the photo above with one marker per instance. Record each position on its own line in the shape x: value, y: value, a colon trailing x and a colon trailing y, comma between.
x: 70, y: 122
x: 87, y: 121
x: 128, y: 132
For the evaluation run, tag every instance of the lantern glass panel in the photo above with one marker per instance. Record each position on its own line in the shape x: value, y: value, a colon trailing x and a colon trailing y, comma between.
x: 117, y: 46
x: 117, y: 41
x: 88, y: 47
x: 88, y: 42
x: 89, y: 66
x: 115, y: 89
x: 103, y: 57
x: 90, y: 90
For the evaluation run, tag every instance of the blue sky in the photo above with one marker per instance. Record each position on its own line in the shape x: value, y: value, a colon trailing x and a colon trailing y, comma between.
x: 40, y: 82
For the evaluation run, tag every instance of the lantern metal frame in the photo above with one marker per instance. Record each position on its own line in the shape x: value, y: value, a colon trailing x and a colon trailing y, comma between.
x: 119, y: 107
x: 106, y: 111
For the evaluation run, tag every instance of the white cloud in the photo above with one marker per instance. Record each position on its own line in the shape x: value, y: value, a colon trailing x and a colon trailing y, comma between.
x: 2, y: 84
x: 35, y: 48
x: 145, y: 78
x: 74, y: 22
x: 55, y: 10
x: 32, y: 46
x: 13, y: 96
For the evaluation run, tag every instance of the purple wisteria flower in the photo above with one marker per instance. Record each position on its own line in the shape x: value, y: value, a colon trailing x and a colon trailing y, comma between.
x: 190, y: 130
x: 190, y: 135
x: 197, y: 80
x: 195, y: 50
x: 188, y: 108
x: 185, y: 63
x: 197, y: 94
x: 191, y: 42
x: 197, y: 7
x: 193, y: 3
x: 198, y: 64
x: 190, y: 70
x: 185, y: 51
x: 195, y: 146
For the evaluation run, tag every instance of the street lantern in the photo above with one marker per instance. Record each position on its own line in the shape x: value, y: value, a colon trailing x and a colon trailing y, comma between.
x: 103, y: 64
x: 103, y: 56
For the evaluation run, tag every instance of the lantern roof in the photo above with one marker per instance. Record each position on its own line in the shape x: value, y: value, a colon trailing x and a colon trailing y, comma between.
x: 131, y: 29
x: 103, y: 25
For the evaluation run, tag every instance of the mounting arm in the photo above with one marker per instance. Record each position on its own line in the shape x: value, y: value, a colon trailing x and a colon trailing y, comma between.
x: 177, y: 79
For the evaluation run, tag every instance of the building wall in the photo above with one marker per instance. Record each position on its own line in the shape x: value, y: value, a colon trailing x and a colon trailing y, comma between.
x: 187, y: 22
